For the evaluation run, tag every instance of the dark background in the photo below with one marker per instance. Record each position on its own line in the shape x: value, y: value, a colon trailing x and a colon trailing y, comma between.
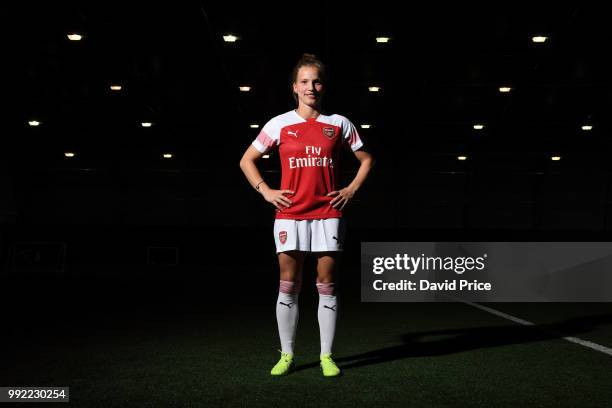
x: 109, y: 209
x: 143, y: 281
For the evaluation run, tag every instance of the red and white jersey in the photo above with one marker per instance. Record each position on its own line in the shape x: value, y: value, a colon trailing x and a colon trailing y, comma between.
x: 309, y: 150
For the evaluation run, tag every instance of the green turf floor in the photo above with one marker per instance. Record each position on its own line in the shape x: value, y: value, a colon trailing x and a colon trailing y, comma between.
x: 178, y: 353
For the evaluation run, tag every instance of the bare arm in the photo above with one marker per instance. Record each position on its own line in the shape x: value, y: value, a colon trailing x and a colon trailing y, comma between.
x: 342, y: 197
x: 251, y: 172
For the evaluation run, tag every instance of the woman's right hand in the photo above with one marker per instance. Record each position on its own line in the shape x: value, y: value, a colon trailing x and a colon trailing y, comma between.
x: 277, y: 198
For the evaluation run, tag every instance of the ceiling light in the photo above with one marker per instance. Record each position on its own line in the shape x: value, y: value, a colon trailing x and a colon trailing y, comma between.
x: 34, y: 123
x: 539, y: 39
x: 382, y: 40
x: 462, y: 158
x: 167, y: 155
x: 374, y: 88
x: 478, y: 126
x: 555, y: 158
x: 69, y: 154
x: 504, y: 89
x: 245, y: 88
x: 230, y: 38
x: 74, y: 37
x: 587, y: 127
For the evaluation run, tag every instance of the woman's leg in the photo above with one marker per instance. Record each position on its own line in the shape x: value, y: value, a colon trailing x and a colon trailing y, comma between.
x: 291, y: 264
x: 327, y: 311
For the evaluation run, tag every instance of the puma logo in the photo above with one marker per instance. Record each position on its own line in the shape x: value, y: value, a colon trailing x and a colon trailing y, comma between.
x: 288, y: 304
x: 333, y: 308
x: 293, y: 133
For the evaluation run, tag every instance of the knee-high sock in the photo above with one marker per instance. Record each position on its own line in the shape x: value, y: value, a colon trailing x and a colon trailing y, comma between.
x: 327, y: 316
x: 287, y: 314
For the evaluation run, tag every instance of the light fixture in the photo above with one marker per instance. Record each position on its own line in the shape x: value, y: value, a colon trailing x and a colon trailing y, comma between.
x: 116, y: 88
x: 146, y: 124
x: 382, y: 40
x: 374, y: 88
x: 587, y: 127
x: 266, y: 156
x: 245, y: 88
x: 69, y: 154
x: 555, y: 158
x: 230, y: 38
x: 504, y: 89
x: 462, y: 158
x: 254, y: 126
x: 365, y: 126
x: 74, y: 37
x: 478, y: 126
x: 167, y: 155
x: 34, y: 123
x: 539, y: 39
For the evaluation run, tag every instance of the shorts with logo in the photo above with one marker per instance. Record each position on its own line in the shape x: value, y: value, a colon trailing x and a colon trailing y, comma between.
x: 320, y: 235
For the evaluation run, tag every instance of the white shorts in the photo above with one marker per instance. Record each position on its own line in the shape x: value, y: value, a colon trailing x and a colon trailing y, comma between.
x: 309, y: 235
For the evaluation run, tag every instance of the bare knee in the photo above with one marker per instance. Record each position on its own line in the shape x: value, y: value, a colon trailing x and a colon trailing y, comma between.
x: 326, y: 265
x: 290, y: 265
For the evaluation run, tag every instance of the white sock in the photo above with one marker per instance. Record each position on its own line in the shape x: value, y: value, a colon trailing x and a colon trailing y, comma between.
x: 327, y: 318
x: 287, y: 314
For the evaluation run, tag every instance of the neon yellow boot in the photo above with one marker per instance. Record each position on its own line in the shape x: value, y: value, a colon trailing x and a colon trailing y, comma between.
x: 284, y: 365
x: 329, y: 368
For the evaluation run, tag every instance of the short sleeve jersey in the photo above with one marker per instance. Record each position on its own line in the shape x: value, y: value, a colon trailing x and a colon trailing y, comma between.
x: 309, y: 151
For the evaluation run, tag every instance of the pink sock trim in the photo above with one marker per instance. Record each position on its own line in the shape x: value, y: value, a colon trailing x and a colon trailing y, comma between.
x: 325, y: 288
x: 288, y: 287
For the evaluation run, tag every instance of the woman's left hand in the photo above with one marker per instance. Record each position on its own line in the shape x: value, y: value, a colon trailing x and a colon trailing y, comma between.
x: 342, y: 197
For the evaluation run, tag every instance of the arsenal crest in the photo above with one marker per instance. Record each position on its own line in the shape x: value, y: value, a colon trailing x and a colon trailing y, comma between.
x: 282, y: 236
x: 329, y: 132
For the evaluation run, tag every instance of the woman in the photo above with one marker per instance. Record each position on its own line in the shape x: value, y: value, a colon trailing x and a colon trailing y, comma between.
x: 308, y: 204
